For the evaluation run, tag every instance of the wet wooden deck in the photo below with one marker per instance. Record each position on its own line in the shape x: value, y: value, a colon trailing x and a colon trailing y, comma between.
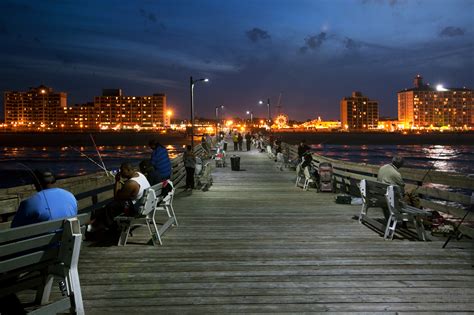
x: 255, y: 243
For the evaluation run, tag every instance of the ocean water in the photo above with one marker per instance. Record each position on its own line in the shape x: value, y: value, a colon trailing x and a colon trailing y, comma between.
x: 16, y: 162
x: 444, y: 158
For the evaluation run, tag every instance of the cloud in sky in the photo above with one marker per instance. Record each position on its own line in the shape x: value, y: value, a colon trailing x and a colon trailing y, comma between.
x: 351, y: 44
x: 148, y: 15
x: 313, y: 42
x: 451, y: 31
x: 257, y: 34
x: 389, y: 2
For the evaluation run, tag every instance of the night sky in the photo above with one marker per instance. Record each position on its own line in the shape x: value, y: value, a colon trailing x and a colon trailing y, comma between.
x: 314, y: 52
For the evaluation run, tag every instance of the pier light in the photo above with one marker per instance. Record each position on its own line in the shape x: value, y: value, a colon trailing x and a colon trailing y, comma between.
x: 217, y: 116
x: 269, y: 113
x: 191, y: 88
x: 251, y: 116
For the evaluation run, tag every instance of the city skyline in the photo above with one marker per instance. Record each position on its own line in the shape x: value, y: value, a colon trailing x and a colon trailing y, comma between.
x: 312, y: 52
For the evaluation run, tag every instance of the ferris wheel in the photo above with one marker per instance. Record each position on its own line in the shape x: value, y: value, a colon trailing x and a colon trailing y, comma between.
x: 281, y: 121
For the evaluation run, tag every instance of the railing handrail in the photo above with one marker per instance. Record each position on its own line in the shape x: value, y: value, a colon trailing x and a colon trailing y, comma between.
x: 80, y: 186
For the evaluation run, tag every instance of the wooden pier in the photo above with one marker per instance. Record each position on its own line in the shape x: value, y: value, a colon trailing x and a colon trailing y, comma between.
x: 256, y: 243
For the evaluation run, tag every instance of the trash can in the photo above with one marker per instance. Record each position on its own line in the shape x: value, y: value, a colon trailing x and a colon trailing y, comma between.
x: 235, y: 162
x: 225, y: 146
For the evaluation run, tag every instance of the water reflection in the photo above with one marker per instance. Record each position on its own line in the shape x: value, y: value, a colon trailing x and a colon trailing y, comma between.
x: 66, y: 161
x: 440, y: 156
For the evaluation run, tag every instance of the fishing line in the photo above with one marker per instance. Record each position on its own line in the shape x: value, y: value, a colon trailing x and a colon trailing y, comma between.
x: 90, y: 159
x: 98, y: 153
x: 39, y: 184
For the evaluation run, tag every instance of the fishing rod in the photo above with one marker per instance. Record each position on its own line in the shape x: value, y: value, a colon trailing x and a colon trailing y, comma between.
x: 98, y: 153
x: 456, y: 229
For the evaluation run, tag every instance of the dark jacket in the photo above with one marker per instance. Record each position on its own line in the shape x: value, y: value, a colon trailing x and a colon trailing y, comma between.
x: 161, y: 162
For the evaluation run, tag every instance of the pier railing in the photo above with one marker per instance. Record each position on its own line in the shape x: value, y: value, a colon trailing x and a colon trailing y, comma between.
x: 91, y: 191
x: 449, y: 193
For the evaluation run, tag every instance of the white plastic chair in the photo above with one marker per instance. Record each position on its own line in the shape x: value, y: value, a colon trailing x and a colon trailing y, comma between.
x: 270, y: 152
x: 167, y: 204
x: 146, y: 208
x: 308, y: 180
x: 299, y: 176
x: 280, y: 161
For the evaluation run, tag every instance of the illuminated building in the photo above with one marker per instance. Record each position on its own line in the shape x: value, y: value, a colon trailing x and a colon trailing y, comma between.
x: 39, y: 108
x: 43, y: 109
x: 320, y: 124
x: 358, y: 112
x: 115, y: 110
x: 426, y: 107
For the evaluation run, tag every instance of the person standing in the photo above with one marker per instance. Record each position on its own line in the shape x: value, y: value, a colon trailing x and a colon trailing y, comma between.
x: 49, y: 203
x: 235, y: 139
x: 190, y: 164
x: 160, y: 160
x: 240, y: 141
x: 248, y: 140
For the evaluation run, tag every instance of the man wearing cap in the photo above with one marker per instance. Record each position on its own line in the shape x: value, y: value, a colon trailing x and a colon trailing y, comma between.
x: 49, y: 203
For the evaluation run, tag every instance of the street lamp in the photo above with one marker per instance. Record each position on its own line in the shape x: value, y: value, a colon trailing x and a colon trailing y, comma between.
x: 217, y: 117
x: 269, y: 115
x: 251, y: 117
x: 191, y: 87
x: 169, y: 113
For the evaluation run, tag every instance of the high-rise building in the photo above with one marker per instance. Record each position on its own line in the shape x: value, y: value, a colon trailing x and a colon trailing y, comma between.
x: 358, y: 112
x: 43, y: 109
x: 39, y: 108
x: 116, y: 110
x: 426, y: 107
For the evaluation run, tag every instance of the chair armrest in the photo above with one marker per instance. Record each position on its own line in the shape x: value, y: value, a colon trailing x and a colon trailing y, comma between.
x: 416, y: 211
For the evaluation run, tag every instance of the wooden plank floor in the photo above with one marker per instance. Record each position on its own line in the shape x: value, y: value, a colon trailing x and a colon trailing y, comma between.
x: 255, y: 243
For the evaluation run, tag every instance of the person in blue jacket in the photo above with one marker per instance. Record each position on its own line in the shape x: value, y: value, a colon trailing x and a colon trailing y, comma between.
x: 49, y: 203
x: 160, y: 160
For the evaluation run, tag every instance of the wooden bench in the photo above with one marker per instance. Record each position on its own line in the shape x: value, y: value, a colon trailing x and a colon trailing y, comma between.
x: 147, y: 208
x: 380, y: 195
x: 32, y: 255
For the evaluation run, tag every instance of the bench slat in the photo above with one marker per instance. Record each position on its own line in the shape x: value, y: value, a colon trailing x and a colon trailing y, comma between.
x: 29, y: 260
x: 29, y: 244
x: 29, y: 230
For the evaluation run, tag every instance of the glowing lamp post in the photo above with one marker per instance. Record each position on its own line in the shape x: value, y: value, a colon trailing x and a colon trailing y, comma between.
x: 269, y: 115
x: 191, y: 87
x: 251, y: 117
x: 169, y: 113
x: 217, y: 117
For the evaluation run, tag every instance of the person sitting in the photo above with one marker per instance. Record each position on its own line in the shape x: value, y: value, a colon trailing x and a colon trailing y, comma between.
x: 389, y: 173
x: 302, y: 149
x: 160, y: 160
x: 307, y: 162
x: 49, y: 203
x: 147, y: 169
x: 128, y: 189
